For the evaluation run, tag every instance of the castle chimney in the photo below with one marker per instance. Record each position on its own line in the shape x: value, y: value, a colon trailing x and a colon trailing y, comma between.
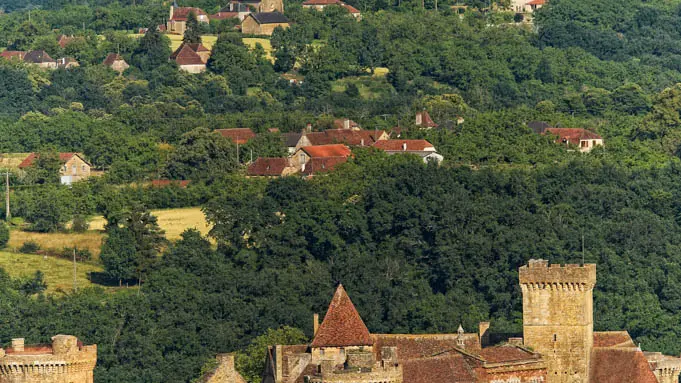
x: 316, y: 323
x: 18, y: 344
x: 484, y: 333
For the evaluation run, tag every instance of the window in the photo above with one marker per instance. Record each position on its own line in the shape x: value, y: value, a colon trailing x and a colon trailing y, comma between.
x: 584, y: 144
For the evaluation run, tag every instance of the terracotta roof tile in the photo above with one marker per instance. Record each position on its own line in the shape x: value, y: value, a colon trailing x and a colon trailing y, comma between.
x: 505, y: 353
x: 334, y: 150
x: 617, y: 365
x: 350, y: 8
x: 423, y: 345
x: 265, y: 166
x: 536, y: 2
x: 449, y: 368
x: 111, y: 58
x: 323, y: 164
x: 404, y: 145
x: 613, y: 338
x: 28, y: 161
x: 426, y: 121
x: 573, y: 135
x: 237, y: 135
x: 185, y: 55
x: 342, y: 325
x: 182, y: 13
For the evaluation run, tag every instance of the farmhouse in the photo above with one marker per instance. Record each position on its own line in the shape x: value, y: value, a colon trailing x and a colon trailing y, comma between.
x: 191, y: 58
x: 74, y: 167
x: 421, y: 148
x: 116, y: 62
x: 41, y: 59
x: 583, y: 139
x: 263, y: 23
x: 319, y: 159
x: 177, y: 21
x: 270, y: 167
x: 321, y: 4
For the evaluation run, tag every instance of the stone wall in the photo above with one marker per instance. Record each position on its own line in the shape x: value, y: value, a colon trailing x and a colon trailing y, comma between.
x: 558, y: 317
x: 225, y: 372
x: 64, y: 361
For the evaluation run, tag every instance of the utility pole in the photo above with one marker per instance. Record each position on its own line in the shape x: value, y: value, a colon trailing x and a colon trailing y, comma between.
x: 8, y: 215
x: 75, y: 269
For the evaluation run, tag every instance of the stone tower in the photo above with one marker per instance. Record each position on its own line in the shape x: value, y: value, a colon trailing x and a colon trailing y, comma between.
x: 558, y: 317
x: 66, y: 360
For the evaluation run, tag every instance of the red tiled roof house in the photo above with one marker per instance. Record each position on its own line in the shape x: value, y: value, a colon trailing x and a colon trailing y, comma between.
x: 177, y: 21
x: 421, y: 148
x: 191, y: 58
x: 583, y: 139
x: 73, y: 166
x: 320, y: 158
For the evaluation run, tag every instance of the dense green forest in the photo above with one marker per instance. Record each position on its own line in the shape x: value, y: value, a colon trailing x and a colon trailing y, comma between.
x: 420, y: 248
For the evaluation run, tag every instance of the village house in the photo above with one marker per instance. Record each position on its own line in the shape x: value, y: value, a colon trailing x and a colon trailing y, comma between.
x: 13, y: 55
x: 263, y: 23
x: 421, y: 148
x: 67, y: 63
x: 525, y: 6
x: 424, y: 121
x: 191, y: 58
x: 583, y: 139
x: 116, y: 62
x: 224, y: 371
x: 319, y: 159
x: 233, y: 9
x: 321, y: 4
x: 356, y: 138
x: 270, y: 167
x: 177, y: 21
x: 558, y: 344
x: 73, y: 168
x: 238, y: 136
x: 41, y: 59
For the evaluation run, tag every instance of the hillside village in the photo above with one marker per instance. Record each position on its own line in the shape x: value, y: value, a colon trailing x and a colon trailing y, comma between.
x: 194, y: 190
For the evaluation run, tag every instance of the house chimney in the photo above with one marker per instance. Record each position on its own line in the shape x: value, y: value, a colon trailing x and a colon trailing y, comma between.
x: 404, y: 146
x: 362, y: 142
x: 346, y: 123
x: 483, y: 333
x: 18, y: 344
x: 419, y: 118
x: 308, y: 128
x: 172, y: 10
x: 316, y: 323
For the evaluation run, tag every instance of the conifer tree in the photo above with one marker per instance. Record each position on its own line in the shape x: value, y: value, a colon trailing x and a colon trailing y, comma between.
x: 192, y: 35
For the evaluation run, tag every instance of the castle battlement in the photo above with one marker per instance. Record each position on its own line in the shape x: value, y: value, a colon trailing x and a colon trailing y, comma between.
x: 538, y: 274
x: 65, y: 360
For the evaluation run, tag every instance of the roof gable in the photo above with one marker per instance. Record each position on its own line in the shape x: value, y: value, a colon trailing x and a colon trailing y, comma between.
x: 342, y: 325
x: 185, y: 55
x: 334, y: 150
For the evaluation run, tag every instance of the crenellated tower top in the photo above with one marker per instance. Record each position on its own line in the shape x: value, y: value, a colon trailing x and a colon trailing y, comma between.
x: 538, y: 274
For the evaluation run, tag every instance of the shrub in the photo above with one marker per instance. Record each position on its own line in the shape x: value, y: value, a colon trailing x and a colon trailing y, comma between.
x: 4, y: 235
x: 29, y: 247
x: 80, y: 224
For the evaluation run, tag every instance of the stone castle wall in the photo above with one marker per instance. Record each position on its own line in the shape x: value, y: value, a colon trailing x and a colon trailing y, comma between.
x: 558, y: 317
x: 64, y: 361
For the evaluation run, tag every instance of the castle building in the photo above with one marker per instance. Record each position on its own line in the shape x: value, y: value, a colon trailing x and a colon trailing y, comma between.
x: 66, y: 360
x: 559, y: 344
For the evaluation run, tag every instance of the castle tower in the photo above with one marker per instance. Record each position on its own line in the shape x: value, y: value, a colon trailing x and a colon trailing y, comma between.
x: 558, y: 317
x: 66, y: 360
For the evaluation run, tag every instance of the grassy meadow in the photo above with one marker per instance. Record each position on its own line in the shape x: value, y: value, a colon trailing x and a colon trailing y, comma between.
x: 58, y: 272
x: 172, y: 221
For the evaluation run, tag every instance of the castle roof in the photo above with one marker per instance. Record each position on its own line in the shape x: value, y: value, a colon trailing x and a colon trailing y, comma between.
x: 342, y: 325
x: 620, y: 364
x: 612, y: 339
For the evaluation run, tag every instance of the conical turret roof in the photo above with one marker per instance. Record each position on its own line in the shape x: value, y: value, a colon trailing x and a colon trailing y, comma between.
x: 342, y: 325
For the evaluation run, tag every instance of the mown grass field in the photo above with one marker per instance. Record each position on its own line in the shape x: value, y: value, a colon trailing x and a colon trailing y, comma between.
x: 173, y: 221
x: 58, y: 272
x: 91, y: 240
x: 266, y: 45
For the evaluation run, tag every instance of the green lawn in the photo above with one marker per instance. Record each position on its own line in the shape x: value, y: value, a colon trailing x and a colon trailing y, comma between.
x: 58, y: 272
